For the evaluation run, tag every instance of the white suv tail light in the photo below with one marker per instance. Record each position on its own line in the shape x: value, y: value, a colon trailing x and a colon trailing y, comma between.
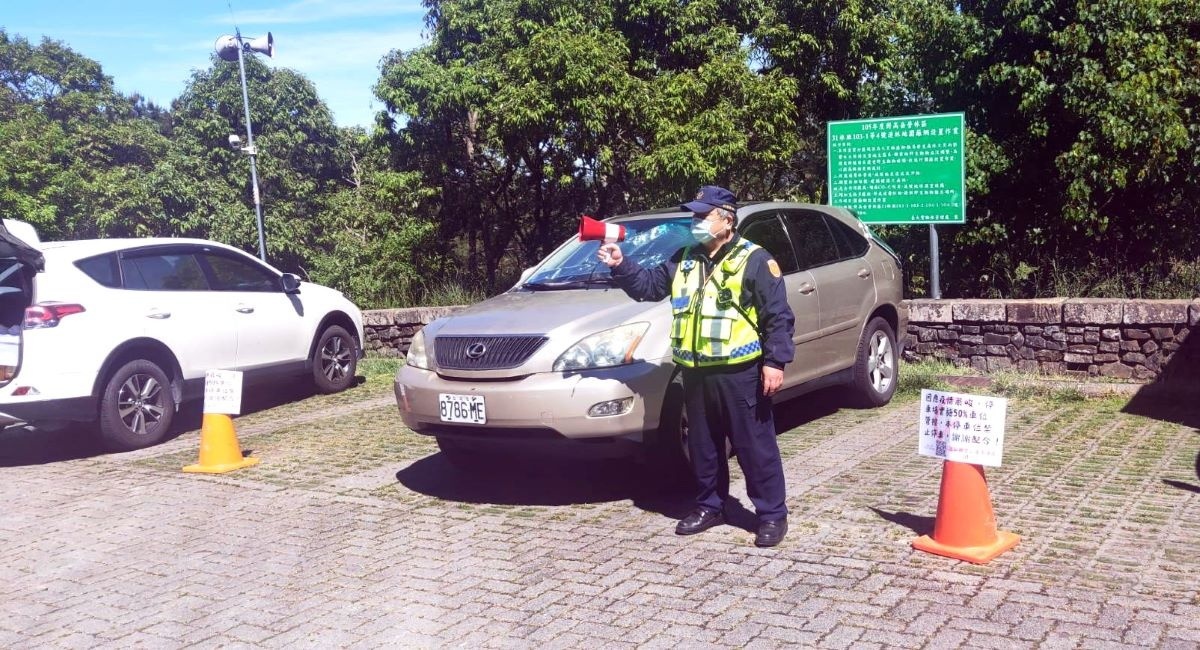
x: 49, y: 314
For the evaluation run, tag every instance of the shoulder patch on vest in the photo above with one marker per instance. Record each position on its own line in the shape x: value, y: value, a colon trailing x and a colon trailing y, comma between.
x: 773, y: 268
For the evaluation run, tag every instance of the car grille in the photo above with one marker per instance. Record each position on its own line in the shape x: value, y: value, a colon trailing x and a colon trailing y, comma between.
x: 484, y: 352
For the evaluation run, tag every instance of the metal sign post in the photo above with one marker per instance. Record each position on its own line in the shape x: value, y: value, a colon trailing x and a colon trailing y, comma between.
x: 901, y: 170
x: 935, y: 280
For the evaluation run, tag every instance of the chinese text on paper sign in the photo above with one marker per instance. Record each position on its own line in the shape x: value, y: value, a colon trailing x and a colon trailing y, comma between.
x: 223, y: 392
x: 962, y: 428
x: 899, y: 169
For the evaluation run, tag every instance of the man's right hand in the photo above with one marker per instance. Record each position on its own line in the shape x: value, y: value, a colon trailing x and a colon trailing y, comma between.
x: 610, y: 254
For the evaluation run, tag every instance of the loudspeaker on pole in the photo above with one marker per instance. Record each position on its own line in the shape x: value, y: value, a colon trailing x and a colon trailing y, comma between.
x: 227, y: 46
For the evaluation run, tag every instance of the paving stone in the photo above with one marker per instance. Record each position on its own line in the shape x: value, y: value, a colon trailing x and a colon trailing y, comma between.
x: 356, y: 533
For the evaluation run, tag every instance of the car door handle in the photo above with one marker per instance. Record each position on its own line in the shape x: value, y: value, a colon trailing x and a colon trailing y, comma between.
x: 807, y: 288
x: 864, y: 273
x: 159, y: 315
x: 245, y: 310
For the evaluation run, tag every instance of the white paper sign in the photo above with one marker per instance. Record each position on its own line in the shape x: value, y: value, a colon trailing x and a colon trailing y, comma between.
x: 223, y: 392
x: 962, y: 428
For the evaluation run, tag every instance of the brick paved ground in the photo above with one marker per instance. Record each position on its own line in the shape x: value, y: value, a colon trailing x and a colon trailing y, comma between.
x: 354, y: 532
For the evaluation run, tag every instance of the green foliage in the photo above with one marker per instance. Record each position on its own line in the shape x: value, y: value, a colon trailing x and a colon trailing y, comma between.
x: 1088, y: 114
x: 74, y: 154
x: 207, y: 185
x: 517, y: 116
x: 526, y: 114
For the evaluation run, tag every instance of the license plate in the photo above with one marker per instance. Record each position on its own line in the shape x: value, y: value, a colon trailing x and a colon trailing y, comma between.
x: 462, y: 408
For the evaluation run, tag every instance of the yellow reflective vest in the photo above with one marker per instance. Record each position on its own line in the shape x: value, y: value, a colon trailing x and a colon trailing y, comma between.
x: 709, y: 325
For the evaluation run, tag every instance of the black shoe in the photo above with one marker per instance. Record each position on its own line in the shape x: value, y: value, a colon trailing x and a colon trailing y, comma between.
x: 771, y: 532
x: 698, y: 520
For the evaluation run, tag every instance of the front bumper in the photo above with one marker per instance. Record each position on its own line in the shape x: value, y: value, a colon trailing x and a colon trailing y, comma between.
x: 548, y: 405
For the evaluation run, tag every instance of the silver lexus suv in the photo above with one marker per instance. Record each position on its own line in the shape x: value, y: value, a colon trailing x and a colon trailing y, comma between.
x: 566, y: 357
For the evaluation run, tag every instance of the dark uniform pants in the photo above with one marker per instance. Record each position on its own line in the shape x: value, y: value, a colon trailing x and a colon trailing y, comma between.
x: 728, y: 402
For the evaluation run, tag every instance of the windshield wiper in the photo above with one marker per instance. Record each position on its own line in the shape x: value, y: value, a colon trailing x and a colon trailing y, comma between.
x: 554, y: 285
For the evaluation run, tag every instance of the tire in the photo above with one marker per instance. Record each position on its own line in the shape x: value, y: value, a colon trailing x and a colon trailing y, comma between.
x: 334, y: 360
x: 137, y: 406
x: 668, y: 445
x: 876, y: 367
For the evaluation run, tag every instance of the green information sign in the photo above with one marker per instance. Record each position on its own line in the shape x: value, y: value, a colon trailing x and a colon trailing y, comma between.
x: 899, y: 169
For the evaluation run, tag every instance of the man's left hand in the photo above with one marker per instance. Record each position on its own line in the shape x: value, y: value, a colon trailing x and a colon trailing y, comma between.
x: 772, y: 379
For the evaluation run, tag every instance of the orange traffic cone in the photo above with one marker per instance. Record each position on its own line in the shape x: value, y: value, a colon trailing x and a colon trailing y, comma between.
x: 219, y: 449
x: 965, y: 528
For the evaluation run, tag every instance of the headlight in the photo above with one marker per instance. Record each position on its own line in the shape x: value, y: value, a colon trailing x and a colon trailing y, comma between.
x: 417, y: 357
x: 612, y: 347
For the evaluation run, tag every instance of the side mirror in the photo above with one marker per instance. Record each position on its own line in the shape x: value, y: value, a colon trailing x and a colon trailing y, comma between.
x: 290, y: 283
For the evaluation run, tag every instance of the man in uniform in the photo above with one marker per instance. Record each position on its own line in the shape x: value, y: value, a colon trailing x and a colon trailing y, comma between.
x: 731, y: 335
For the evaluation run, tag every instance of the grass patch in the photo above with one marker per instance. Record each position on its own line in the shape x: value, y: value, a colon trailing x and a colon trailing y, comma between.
x: 940, y: 375
x: 375, y: 367
x: 914, y: 377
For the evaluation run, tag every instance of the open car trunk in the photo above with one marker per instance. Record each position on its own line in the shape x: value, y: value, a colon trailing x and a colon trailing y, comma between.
x: 20, y: 261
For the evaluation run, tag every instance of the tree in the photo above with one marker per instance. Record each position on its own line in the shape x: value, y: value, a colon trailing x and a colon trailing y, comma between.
x: 1085, y: 147
x: 525, y: 113
x: 206, y: 185
x: 369, y: 243
x: 75, y: 158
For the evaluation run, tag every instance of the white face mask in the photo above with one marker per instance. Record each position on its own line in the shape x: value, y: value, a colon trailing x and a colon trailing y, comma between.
x: 700, y: 230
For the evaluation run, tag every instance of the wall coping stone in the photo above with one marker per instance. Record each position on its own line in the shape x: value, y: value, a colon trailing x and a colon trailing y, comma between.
x: 1157, y: 312
x: 980, y: 310
x: 1043, y: 311
x: 1094, y: 311
x: 407, y: 315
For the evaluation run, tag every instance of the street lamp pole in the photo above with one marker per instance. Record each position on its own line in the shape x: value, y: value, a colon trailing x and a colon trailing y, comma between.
x: 265, y: 45
x: 251, y: 151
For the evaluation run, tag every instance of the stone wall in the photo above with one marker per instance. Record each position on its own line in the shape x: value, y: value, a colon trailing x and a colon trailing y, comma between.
x: 1076, y: 337
x: 390, y: 331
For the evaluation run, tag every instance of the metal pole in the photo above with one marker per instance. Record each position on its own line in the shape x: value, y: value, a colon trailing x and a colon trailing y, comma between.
x: 935, y: 281
x: 250, y: 150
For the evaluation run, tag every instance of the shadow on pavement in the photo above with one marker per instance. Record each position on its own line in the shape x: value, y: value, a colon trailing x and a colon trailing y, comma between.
x: 1175, y: 396
x: 1181, y: 485
x: 548, y: 480
x: 918, y: 524
x: 26, y: 445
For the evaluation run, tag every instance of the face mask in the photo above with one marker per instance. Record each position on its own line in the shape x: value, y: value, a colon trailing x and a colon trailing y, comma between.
x: 701, y: 232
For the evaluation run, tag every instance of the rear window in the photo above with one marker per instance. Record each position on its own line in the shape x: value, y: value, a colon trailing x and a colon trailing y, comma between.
x: 102, y: 269
x: 167, y: 272
x: 850, y: 243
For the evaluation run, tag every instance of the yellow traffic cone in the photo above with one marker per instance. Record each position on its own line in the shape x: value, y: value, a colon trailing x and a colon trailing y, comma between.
x: 219, y: 449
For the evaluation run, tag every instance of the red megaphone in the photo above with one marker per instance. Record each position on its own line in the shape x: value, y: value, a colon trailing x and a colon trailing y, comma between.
x: 592, y: 230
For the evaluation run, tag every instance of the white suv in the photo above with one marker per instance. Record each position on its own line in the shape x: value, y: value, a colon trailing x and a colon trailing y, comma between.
x: 121, y: 331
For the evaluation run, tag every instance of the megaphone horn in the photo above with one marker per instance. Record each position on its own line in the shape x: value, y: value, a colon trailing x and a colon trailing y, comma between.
x: 262, y: 45
x: 227, y: 48
x: 592, y: 230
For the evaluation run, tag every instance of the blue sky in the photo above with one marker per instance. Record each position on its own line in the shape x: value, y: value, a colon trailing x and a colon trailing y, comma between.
x: 152, y: 47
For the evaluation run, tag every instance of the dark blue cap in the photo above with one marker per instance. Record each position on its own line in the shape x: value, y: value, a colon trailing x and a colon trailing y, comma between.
x: 709, y: 197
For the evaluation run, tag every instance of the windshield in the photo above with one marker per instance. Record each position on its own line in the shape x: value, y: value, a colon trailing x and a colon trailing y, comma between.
x: 649, y: 241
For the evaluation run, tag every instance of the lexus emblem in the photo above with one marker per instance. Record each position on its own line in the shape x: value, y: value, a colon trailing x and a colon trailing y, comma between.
x: 476, y: 350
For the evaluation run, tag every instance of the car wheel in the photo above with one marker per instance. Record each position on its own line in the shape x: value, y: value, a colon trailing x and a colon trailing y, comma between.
x: 137, y: 406
x: 876, y: 367
x: 335, y: 360
x: 668, y: 448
